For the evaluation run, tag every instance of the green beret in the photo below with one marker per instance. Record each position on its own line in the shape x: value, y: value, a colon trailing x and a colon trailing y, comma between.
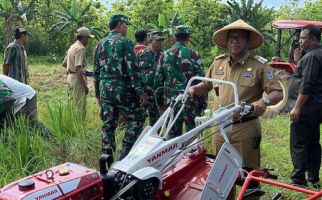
x: 182, y: 29
x: 120, y: 18
x: 158, y: 35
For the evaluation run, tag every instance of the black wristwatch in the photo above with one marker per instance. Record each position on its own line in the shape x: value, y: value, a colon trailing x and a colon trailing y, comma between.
x: 266, y: 101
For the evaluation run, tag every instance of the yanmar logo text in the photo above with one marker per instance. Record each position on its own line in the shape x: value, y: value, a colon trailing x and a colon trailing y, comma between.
x: 161, y: 153
x: 47, y: 194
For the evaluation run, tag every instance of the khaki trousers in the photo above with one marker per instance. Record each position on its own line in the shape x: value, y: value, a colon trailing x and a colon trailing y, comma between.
x: 76, y: 93
x: 242, y: 137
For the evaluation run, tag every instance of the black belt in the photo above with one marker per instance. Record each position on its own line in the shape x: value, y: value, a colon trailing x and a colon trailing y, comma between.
x: 244, y: 119
x: 87, y: 73
x: 70, y: 72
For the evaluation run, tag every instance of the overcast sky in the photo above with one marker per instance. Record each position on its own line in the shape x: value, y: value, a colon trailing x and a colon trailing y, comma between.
x: 268, y: 3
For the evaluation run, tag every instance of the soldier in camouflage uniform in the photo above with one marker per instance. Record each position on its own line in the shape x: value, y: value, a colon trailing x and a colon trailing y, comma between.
x: 176, y: 66
x: 119, y: 86
x: 148, y: 59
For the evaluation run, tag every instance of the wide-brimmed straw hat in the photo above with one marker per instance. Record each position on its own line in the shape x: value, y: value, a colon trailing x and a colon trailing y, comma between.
x: 255, y: 37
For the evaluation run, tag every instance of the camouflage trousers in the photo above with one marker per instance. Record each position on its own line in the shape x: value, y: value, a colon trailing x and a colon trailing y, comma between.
x: 110, y: 112
x: 188, y: 115
x: 152, y: 108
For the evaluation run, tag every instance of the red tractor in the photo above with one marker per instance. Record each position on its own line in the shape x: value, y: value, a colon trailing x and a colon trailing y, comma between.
x: 285, y: 69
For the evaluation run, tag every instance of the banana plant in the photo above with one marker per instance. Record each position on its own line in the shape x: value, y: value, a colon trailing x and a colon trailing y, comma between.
x: 70, y: 19
x: 167, y: 26
x: 14, y: 13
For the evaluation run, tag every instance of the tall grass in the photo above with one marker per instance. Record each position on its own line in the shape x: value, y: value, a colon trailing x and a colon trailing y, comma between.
x: 21, y: 151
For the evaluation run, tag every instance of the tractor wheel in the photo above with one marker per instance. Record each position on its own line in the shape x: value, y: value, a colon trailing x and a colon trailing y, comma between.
x: 146, y: 189
x: 284, y: 79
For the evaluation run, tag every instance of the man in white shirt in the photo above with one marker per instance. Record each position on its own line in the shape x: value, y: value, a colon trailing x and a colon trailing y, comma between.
x: 25, y: 97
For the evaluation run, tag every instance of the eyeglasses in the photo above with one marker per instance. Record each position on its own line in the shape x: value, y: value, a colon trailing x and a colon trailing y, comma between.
x: 304, y: 37
x: 237, y: 38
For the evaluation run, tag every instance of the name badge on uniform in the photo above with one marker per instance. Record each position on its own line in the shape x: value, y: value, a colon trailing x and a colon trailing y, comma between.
x: 248, y: 74
x: 220, y: 72
x: 269, y: 74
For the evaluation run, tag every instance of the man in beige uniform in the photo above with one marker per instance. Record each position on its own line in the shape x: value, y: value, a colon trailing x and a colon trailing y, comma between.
x: 253, y: 76
x: 75, y: 62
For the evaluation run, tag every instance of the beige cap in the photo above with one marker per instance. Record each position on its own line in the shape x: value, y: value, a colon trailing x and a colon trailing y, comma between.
x: 84, y: 32
x: 255, y: 37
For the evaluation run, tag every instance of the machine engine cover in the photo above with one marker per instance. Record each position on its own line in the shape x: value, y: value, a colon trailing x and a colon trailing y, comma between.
x: 66, y: 181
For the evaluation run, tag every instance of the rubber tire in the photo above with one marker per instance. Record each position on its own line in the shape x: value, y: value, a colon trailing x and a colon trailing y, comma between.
x: 284, y: 80
x: 139, y: 189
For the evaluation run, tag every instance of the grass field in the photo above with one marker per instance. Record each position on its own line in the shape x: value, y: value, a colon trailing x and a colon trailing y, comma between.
x: 24, y: 151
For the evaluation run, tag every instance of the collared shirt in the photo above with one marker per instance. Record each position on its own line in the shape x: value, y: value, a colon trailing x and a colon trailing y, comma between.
x: 16, y: 57
x: 251, y: 74
x: 307, y: 78
x: 76, y: 57
x: 116, y: 71
x: 176, y: 67
x: 148, y: 61
x: 21, y: 92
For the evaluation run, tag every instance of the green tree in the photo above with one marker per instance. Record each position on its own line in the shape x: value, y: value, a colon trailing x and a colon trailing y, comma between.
x: 311, y: 11
x: 167, y: 27
x: 15, y: 13
x: 290, y: 10
x: 74, y: 16
x: 145, y: 13
x: 203, y: 18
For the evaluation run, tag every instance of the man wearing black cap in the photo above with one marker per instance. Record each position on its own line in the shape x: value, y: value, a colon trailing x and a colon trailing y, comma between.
x: 176, y: 67
x: 15, y: 57
x: 119, y: 86
x: 148, y: 60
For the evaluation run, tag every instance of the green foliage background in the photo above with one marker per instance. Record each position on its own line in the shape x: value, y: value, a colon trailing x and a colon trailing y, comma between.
x: 203, y: 16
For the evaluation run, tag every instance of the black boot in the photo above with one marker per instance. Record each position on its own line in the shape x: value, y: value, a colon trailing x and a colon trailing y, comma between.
x: 125, y: 150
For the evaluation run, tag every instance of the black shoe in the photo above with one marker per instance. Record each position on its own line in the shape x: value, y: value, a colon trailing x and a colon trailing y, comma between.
x: 315, y: 185
x: 299, y: 184
x: 108, y: 151
x: 125, y: 150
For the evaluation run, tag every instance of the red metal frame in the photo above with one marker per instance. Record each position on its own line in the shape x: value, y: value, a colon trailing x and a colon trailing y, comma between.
x: 259, y: 176
x: 187, y: 178
x: 295, y: 24
x: 289, y: 67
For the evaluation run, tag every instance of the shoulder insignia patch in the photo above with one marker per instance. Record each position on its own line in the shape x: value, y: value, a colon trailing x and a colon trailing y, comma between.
x: 221, y: 56
x: 269, y: 74
x: 260, y: 59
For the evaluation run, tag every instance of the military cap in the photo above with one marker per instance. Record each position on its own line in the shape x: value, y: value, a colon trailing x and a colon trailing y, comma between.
x: 255, y: 37
x: 158, y: 35
x: 182, y: 29
x: 83, y: 31
x: 120, y: 18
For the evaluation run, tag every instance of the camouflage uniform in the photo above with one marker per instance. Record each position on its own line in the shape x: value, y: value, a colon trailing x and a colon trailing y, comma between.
x: 6, y: 101
x: 118, y: 84
x: 176, y: 66
x: 148, y: 61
